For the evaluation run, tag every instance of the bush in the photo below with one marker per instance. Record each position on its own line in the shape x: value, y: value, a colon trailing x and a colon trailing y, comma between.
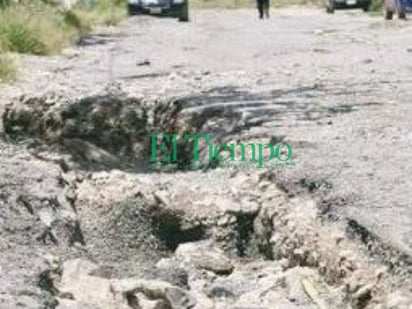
x: 4, y: 3
x: 72, y: 19
x: 19, y: 38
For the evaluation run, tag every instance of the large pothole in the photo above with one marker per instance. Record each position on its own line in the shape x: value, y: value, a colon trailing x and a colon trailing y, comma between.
x: 132, y: 221
x: 115, y: 131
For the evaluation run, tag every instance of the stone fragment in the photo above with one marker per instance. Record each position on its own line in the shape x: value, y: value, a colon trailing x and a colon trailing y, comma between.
x: 203, y: 256
x: 175, y: 297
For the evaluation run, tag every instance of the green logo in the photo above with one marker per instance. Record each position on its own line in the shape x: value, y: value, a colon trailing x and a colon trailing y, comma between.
x: 164, y: 152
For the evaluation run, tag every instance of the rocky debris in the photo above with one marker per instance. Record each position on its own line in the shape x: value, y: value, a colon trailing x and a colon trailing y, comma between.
x: 278, y: 228
x: 251, y: 285
x: 207, y: 234
x: 245, y: 279
x: 38, y: 217
x: 88, y: 290
x: 117, y: 211
x: 96, y: 131
x: 237, y: 207
x: 293, y: 282
x: 265, y: 286
x: 173, y: 297
x: 258, y: 284
x: 36, y: 194
x: 174, y: 274
x: 400, y: 299
x: 103, y: 131
x: 202, y: 236
x: 79, y: 288
x: 178, y: 214
x: 124, y: 236
x: 128, y: 227
x: 222, y: 214
x: 296, y: 234
x: 202, y: 255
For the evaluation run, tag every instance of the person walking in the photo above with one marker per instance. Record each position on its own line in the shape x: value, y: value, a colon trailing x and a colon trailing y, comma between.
x: 263, y: 8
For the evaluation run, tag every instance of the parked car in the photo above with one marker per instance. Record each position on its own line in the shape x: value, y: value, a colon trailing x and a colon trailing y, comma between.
x: 331, y: 5
x: 171, y: 8
x: 401, y: 7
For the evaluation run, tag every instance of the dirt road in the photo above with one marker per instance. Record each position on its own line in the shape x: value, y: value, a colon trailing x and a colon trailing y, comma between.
x: 336, y: 87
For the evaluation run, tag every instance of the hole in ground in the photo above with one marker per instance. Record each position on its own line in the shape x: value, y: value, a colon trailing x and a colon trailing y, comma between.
x: 168, y: 228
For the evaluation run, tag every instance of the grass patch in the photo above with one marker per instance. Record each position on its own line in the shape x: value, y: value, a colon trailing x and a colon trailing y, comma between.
x: 40, y: 28
x: 376, y: 6
x: 102, y: 12
x: 34, y: 28
x: 8, y: 71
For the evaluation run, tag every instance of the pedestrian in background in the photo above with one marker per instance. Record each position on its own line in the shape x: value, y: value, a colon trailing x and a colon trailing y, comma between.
x: 263, y: 8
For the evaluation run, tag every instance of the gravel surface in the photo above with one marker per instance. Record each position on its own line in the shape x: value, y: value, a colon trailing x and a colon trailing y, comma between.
x: 336, y: 87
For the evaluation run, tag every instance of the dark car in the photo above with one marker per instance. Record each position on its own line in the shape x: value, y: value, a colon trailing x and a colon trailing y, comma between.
x: 171, y: 8
x: 332, y: 5
x: 401, y: 7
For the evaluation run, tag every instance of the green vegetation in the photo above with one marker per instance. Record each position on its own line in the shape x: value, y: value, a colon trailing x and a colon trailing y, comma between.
x: 43, y: 27
x: 101, y: 12
x: 7, y: 68
x: 376, y: 6
x: 33, y: 28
